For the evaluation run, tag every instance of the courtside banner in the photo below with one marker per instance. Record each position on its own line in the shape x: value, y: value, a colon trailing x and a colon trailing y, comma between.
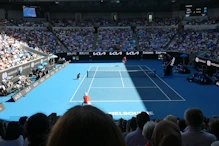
x: 210, y: 63
x: 2, y: 107
x: 117, y: 55
x: 23, y: 92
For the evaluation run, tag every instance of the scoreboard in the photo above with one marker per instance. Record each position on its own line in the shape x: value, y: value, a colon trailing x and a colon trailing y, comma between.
x: 192, y: 10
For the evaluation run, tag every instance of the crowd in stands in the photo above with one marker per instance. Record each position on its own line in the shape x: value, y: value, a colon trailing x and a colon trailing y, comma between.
x: 5, y: 22
x: 194, y: 41
x: 11, y: 54
x: 116, y: 40
x: 25, y: 23
x: 88, y: 22
x: 88, y: 125
x: 76, y: 39
x: 165, y: 21
x: 154, y: 39
x: 11, y: 84
x: 110, y: 39
x: 146, y: 22
x: 104, y: 22
x: 41, y: 40
x: 204, y: 21
x: 71, y: 22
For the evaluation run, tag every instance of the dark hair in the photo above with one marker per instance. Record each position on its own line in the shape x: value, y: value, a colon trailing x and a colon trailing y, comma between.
x: 182, y: 125
x: 37, y: 128
x: 133, y: 123
x: 166, y: 133
x: 2, y: 129
x: 22, y: 120
x: 142, y: 118
x: 85, y: 125
x: 214, y: 127
x: 194, y: 117
x: 12, y: 131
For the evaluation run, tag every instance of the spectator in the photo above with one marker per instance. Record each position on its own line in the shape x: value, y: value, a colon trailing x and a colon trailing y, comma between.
x: 158, y: 120
x: 131, y: 126
x: 2, y: 130
x: 148, y: 131
x: 83, y: 126
x: 166, y: 133
x: 135, y: 138
x: 182, y: 125
x: 214, y: 127
x: 193, y: 134
x: 216, y: 143
x: 22, y: 121
x: 13, y: 136
x: 37, y: 129
x: 171, y: 118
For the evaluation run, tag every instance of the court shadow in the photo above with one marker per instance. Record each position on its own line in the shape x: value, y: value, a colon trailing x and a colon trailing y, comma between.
x: 151, y: 87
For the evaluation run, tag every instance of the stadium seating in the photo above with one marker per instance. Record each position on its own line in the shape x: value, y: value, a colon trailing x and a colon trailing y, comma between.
x: 194, y: 41
x: 204, y: 21
x: 76, y: 39
x: 154, y: 39
x: 5, y: 22
x: 40, y: 40
x: 116, y: 40
x: 11, y: 53
x: 24, y: 23
x: 64, y: 22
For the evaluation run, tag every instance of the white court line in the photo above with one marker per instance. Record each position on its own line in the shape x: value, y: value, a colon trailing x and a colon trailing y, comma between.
x: 129, y: 101
x: 78, y: 86
x: 155, y: 83
x: 149, y: 87
x: 92, y: 80
x: 121, y: 79
x: 167, y: 85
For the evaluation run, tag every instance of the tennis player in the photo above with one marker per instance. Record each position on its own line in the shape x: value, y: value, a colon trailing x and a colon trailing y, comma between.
x: 79, y: 76
x: 86, y: 99
x: 124, y: 60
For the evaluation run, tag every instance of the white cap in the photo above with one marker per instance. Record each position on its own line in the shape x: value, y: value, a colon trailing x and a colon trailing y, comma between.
x: 85, y: 94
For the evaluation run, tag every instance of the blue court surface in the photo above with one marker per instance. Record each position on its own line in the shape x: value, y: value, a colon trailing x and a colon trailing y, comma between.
x: 118, y: 89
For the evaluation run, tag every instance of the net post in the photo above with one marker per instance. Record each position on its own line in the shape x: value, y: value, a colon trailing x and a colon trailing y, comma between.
x: 87, y: 74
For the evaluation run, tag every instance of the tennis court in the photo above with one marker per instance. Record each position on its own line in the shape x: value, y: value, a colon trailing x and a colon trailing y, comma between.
x: 118, y: 89
x: 120, y: 83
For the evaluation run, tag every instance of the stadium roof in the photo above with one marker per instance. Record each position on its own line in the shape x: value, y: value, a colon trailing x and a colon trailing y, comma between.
x: 108, y: 5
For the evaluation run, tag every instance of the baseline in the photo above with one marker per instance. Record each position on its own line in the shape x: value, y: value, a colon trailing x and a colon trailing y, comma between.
x: 129, y: 101
x: 146, y: 87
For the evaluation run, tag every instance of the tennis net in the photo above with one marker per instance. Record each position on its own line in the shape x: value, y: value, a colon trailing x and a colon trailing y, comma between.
x: 120, y: 73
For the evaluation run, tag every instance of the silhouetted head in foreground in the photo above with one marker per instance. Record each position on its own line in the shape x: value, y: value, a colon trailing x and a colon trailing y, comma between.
x: 85, y: 125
